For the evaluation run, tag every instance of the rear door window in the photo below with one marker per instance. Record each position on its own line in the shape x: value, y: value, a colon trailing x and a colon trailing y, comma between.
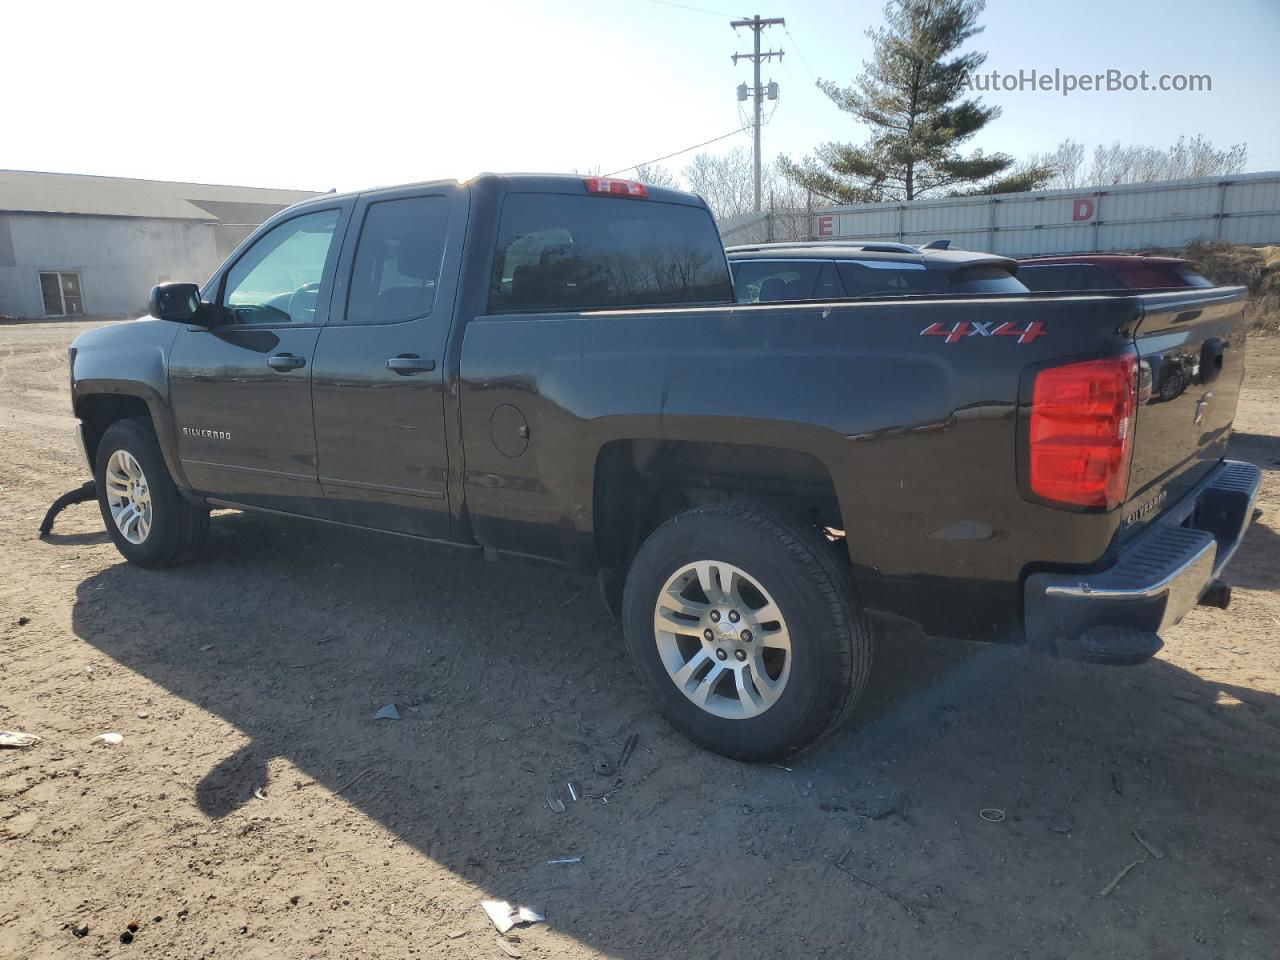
x: 562, y: 252
x: 771, y: 281
x: 881, y: 278
x: 398, y: 260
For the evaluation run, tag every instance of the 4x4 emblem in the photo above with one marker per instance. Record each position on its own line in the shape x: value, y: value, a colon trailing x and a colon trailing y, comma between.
x: 966, y: 328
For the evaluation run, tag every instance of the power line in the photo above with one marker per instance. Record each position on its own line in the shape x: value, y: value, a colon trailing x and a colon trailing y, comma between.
x: 685, y: 6
x: 645, y: 163
x: 800, y: 54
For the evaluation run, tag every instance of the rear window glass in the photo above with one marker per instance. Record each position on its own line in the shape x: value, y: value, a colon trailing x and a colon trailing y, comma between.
x: 887, y: 278
x: 558, y: 252
x: 1192, y: 278
x: 987, y: 278
x: 1052, y: 276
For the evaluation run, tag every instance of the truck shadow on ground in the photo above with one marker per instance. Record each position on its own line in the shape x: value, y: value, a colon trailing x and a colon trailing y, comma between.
x: 511, y: 680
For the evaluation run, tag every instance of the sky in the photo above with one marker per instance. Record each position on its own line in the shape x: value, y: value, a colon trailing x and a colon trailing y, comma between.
x: 346, y: 95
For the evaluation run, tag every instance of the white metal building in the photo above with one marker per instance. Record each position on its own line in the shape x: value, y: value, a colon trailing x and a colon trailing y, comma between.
x: 73, y: 245
x: 1243, y: 209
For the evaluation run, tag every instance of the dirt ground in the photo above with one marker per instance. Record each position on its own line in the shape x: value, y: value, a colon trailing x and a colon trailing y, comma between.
x: 258, y: 810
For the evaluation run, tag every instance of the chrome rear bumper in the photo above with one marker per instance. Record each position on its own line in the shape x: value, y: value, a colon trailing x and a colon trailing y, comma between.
x: 1158, y: 577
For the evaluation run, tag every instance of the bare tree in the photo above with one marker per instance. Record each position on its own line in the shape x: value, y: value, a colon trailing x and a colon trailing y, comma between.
x: 724, y: 180
x: 1189, y: 157
x: 656, y: 175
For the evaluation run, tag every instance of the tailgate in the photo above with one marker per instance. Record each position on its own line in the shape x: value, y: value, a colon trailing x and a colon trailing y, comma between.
x: 1191, y: 345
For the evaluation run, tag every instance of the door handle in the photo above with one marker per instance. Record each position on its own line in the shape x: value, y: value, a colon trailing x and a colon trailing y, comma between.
x: 285, y: 361
x: 407, y: 364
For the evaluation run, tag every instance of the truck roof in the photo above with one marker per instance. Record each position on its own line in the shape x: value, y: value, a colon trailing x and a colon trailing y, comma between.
x: 1117, y: 259
x: 866, y: 250
x: 513, y: 183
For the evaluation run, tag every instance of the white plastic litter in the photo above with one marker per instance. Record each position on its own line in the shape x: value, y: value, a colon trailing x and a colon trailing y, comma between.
x: 389, y: 712
x: 504, y: 916
x: 17, y: 739
x: 107, y: 739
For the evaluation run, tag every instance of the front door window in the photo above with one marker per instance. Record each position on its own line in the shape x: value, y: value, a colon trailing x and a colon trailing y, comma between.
x: 277, y: 281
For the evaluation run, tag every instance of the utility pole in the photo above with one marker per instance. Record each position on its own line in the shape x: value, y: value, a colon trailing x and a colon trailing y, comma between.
x: 757, y: 25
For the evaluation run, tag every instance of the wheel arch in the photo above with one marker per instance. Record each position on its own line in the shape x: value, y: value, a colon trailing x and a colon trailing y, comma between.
x: 640, y: 483
x: 99, y: 404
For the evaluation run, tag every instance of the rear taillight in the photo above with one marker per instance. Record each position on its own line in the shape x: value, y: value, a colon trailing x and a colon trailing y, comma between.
x: 617, y: 188
x: 1081, y: 436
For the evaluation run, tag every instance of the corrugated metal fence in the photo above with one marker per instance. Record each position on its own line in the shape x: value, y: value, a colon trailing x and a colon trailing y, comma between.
x: 1240, y: 209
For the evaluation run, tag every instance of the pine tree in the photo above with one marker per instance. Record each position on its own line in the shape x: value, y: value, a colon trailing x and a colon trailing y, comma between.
x: 912, y: 94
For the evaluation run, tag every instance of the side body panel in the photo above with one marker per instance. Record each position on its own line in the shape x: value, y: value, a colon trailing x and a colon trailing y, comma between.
x: 917, y: 432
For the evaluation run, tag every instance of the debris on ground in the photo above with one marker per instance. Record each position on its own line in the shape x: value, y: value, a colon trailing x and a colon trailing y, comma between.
x: 1118, y: 877
x: 23, y: 621
x: 389, y: 712
x: 551, y: 863
x: 992, y: 814
x: 80, y: 930
x: 603, y: 767
x: 107, y: 740
x: 260, y: 794
x: 627, y: 749
x: 1155, y: 854
x: 839, y: 865
x: 575, y: 791
x: 556, y: 804
x: 17, y: 739
x: 504, y: 916
x: 508, y: 948
x: 359, y: 776
x: 604, y: 795
x: 1061, y: 822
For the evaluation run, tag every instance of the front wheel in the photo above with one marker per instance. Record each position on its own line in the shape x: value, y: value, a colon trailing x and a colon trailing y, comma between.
x: 148, y: 519
x: 745, y: 629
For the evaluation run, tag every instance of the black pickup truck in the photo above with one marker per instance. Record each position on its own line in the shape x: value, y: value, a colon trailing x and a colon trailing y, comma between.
x: 554, y: 367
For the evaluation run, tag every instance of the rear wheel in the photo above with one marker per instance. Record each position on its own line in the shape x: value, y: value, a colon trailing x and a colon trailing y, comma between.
x: 744, y: 627
x: 149, y: 521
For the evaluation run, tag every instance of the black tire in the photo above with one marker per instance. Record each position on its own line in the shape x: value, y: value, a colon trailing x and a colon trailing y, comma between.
x: 831, y: 643
x: 178, y: 527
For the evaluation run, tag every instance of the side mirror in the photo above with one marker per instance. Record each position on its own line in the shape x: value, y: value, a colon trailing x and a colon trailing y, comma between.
x: 179, y: 302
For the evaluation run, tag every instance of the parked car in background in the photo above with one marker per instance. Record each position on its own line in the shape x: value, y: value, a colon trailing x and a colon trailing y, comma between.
x: 1109, y: 272
x: 844, y: 270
